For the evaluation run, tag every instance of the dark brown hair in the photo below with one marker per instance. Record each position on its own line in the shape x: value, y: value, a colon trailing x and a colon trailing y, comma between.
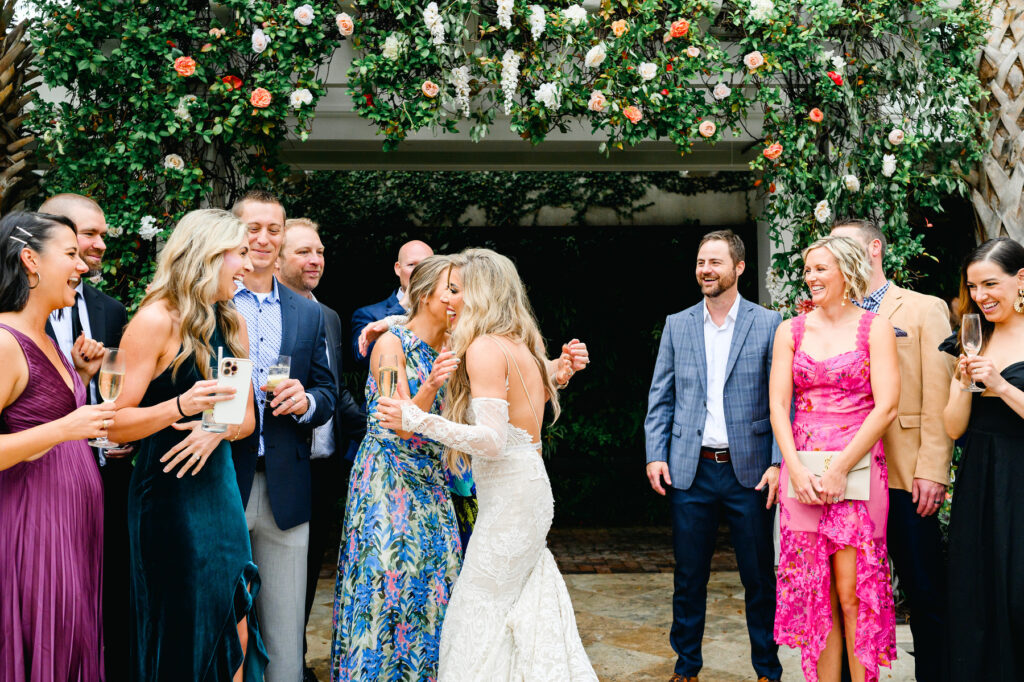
x: 867, y: 228
x: 736, y: 249
x: 259, y: 196
x: 23, y: 230
x: 1004, y: 252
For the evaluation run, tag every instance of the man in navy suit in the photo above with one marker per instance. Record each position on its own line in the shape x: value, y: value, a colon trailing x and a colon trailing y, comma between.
x: 409, y: 256
x: 272, y: 465
x: 710, y: 441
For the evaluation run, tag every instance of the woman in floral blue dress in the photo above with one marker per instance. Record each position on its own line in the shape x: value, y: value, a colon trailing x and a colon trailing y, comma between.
x: 400, y: 550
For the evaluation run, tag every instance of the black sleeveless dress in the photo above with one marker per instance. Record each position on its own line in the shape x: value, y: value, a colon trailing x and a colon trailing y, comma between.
x: 986, y: 543
x: 192, y: 575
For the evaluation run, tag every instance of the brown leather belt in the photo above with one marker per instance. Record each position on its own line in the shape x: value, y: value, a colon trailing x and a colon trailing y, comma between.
x: 719, y: 455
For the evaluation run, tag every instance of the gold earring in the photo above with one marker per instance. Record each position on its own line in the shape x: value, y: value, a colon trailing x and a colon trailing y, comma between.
x: 846, y: 297
x: 1018, y: 304
x: 38, y: 278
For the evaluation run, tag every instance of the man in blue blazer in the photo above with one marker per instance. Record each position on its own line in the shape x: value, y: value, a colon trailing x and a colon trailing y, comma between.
x: 409, y: 256
x: 710, y: 441
x: 272, y: 465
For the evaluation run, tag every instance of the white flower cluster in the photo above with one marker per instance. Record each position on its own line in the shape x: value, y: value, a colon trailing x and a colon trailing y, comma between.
x: 260, y: 41
x: 181, y: 111
x: 394, y: 44
x: 888, y: 165
x: 505, y: 8
x: 548, y: 95
x: 432, y: 19
x: 851, y: 183
x: 761, y: 9
x: 838, y: 63
x: 460, y: 78
x: 509, y: 78
x: 304, y: 14
x: 575, y: 14
x: 148, y: 228
x: 537, y: 21
x: 595, y: 56
x: 822, y: 212
x: 775, y: 286
x: 300, y: 97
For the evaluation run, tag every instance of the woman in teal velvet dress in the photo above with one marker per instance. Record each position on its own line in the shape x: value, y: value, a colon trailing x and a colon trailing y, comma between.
x: 193, y: 581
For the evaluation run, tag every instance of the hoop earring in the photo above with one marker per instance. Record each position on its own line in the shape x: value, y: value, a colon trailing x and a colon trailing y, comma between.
x: 1018, y: 304
x: 38, y: 279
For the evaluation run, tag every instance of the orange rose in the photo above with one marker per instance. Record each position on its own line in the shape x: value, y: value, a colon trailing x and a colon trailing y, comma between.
x: 816, y: 115
x: 260, y: 98
x: 620, y: 27
x: 679, y: 28
x: 185, y: 66
x: 430, y: 89
x: 772, y: 151
x: 633, y: 114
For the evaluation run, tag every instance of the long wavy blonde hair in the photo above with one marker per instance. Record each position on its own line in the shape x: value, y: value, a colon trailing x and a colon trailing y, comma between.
x: 187, y: 277
x: 494, y: 303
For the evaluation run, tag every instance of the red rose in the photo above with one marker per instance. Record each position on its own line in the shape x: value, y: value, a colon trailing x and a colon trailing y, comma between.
x: 665, y: 91
x: 233, y: 82
x: 260, y: 98
x: 668, y: 67
x: 185, y: 66
x: 369, y: 99
x: 836, y: 78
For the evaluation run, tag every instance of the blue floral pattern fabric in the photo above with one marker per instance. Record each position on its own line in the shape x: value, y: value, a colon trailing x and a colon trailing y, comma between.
x: 400, y: 550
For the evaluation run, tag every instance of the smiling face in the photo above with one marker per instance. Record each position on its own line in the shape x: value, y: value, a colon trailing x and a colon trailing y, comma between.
x: 993, y: 290
x: 302, y: 259
x: 716, y: 272
x: 57, y: 267
x: 436, y: 304
x: 265, y: 223
x: 452, y: 298
x: 823, y: 277
x: 233, y: 268
x: 92, y: 228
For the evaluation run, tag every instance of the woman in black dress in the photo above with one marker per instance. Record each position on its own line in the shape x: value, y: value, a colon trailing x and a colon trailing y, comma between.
x: 986, y: 529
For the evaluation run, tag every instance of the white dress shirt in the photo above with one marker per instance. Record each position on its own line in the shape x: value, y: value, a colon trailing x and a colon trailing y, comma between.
x: 60, y: 321
x: 717, y: 342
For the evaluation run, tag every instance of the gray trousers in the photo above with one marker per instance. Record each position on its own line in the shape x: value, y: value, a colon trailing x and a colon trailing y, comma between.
x: 281, y: 558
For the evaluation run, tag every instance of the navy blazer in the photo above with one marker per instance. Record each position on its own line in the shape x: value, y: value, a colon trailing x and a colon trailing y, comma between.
x: 286, y: 442
x: 366, y: 315
x: 677, y: 408
x: 349, y: 418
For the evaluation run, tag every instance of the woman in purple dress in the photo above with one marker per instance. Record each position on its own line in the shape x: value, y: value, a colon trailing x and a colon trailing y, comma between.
x: 51, y: 497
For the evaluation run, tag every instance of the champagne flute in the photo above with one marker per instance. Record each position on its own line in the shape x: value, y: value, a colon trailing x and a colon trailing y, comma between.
x: 387, y: 375
x: 970, y: 339
x: 110, y: 383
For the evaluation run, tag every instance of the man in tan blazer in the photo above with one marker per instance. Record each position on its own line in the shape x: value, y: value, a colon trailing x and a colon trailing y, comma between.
x: 917, y: 449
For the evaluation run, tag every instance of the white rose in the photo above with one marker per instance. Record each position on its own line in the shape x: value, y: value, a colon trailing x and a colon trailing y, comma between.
x: 300, y: 97
x: 721, y: 91
x: 304, y: 14
x: 838, y: 63
x: 761, y: 9
x: 888, y: 165
x: 895, y: 136
x: 575, y: 14
x: 595, y: 56
x: 346, y: 26
x: 174, y: 162
x: 392, y: 47
x: 753, y: 60
x: 648, y: 70
x: 822, y: 212
x: 548, y: 95
x: 851, y: 183
x: 148, y: 228
x: 260, y: 41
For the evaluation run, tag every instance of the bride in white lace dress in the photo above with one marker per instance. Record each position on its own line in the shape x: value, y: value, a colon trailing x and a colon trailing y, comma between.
x: 510, y: 617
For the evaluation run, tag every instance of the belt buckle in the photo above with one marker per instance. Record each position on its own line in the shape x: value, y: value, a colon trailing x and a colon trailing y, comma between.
x: 716, y: 453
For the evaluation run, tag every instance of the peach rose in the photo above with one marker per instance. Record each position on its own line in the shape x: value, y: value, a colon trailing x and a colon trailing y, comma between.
x: 816, y: 115
x: 217, y: 32
x: 772, y: 151
x: 620, y: 28
x: 597, y: 101
x: 679, y: 28
x: 430, y: 89
x: 260, y: 98
x: 633, y: 114
x: 185, y: 66
x: 693, y: 51
x: 753, y: 60
x: 707, y: 128
x: 345, y: 24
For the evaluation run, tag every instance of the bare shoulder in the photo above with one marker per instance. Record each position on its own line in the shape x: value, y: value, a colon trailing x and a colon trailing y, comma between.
x: 152, y: 322
x: 881, y: 332
x: 485, y: 355
x: 784, y: 333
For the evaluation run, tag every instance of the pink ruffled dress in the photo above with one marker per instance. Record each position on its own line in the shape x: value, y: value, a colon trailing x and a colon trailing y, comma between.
x: 833, y: 397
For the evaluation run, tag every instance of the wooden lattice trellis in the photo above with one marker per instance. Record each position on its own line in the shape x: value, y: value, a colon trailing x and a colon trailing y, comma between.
x: 998, y: 185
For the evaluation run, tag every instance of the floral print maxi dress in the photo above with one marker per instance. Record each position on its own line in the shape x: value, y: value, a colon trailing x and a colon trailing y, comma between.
x: 400, y: 550
x: 832, y: 398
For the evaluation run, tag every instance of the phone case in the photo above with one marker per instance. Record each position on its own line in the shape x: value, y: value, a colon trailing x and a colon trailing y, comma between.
x: 236, y: 373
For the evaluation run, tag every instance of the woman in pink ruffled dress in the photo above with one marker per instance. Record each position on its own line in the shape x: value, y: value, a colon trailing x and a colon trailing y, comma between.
x: 839, y: 363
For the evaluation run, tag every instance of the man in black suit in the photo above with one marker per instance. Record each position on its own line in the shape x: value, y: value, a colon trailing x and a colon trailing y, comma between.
x: 98, y: 316
x: 300, y: 267
x: 272, y: 465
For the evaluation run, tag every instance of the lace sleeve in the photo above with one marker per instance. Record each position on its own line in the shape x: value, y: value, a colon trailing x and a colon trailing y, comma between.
x: 485, y: 438
x: 392, y: 320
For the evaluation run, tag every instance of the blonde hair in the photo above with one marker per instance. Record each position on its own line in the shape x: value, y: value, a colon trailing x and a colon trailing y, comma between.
x: 494, y: 303
x: 852, y: 260
x: 187, y: 278
x: 424, y: 280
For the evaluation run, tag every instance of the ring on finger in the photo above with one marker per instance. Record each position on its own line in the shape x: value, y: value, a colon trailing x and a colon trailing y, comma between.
x: 106, y: 423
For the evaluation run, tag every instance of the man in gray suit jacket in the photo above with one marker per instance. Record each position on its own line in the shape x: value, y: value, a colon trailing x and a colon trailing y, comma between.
x: 710, y: 441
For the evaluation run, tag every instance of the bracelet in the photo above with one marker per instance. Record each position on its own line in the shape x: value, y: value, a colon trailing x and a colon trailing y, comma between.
x: 177, y: 401
x: 238, y: 430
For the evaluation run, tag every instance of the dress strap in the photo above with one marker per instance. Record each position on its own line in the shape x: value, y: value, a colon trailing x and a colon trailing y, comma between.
x: 526, y: 393
x: 864, y: 331
x: 798, y: 330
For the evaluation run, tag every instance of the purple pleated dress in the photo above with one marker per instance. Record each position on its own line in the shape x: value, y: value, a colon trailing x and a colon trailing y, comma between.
x: 51, y: 540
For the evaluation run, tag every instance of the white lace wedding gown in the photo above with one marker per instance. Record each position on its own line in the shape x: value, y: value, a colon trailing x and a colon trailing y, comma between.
x: 510, y: 617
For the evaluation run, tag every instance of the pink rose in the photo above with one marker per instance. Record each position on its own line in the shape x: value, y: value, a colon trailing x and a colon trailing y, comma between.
x: 597, y: 101
x: 633, y: 114
x: 430, y: 89
x: 707, y: 128
x: 772, y: 151
x: 693, y: 51
x: 753, y: 60
x: 345, y: 24
x: 185, y: 66
x: 260, y: 98
x: 816, y: 115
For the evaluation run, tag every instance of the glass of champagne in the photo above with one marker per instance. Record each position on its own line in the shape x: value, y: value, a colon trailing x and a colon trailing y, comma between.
x: 279, y: 371
x: 111, y: 380
x: 387, y: 375
x: 208, y: 423
x: 970, y: 339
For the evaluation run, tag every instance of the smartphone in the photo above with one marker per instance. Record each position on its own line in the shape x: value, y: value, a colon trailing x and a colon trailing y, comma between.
x: 236, y: 373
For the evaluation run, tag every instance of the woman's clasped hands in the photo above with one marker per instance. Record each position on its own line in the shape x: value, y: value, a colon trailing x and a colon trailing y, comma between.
x: 192, y: 451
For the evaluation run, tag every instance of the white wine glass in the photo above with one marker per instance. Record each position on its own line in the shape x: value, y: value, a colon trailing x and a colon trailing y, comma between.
x: 279, y: 371
x: 110, y: 382
x: 970, y: 340
x: 387, y: 375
